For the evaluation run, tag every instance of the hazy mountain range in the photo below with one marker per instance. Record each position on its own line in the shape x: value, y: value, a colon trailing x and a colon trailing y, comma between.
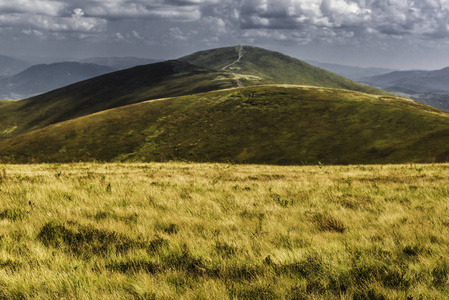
x: 42, y: 78
x: 11, y: 66
x: 39, y: 79
x: 119, y: 63
x: 240, y: 104
x: 412, y: 82
x: 428, y: 87
x: 354, y: 73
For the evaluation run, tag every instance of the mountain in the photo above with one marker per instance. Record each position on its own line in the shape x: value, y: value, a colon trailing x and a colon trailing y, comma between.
x: 166, y: 79
x: 257, y: 66
x: 10, y: 65
x: 353, y: 73
x: 119, y: 63
x: 271, y: 124
x: 412, y: 82
x: 42, y: 78
x: 236, y: 104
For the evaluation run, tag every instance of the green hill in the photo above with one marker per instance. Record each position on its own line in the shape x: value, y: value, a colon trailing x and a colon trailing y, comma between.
x: 264, y: 124
x: 257, y: 66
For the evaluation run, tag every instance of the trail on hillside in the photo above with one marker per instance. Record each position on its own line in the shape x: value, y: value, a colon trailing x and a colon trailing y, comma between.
x: 239, y: 84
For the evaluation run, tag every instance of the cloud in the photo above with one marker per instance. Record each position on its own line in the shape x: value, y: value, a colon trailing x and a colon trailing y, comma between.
x: 177, y: 10
x: 415, y: 18
x: 41, y: 7
x: 73, y: 23
x: 177, y: 34
x: 86, y: 17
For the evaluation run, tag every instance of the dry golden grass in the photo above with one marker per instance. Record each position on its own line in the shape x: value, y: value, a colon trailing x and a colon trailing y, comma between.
x: 219, y: 231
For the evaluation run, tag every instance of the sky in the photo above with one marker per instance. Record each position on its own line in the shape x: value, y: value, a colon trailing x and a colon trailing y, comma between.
x: 400, y: 34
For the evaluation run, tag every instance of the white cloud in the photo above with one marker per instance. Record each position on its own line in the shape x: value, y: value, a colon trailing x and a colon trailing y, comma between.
x: 43, y: 7
x: 181, y: 10
x: 137, y: 35
x: 177, y: 34
x: 74, y: 23
x: 119, y: 36
x: 78, y: 12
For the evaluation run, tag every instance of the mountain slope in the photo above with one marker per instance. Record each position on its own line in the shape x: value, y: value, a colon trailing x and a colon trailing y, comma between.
x: 39, y: 79
x: 4, y: 101
x: 264, y: 124
x: 119, y: 63
x: 171, y: 78
x: 256, y: 66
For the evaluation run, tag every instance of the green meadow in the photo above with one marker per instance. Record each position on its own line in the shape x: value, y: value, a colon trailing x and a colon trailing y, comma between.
x: 224, y: 231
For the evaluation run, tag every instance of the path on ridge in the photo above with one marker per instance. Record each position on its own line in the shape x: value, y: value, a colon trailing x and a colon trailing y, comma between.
x: 230, y: 65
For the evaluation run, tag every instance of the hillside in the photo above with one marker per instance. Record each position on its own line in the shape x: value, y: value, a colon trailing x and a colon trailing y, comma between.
x: 4, y: 101
x: 171, y: 78
x: 265, y: 124
x: 256, y: 66
x: 42, y: 78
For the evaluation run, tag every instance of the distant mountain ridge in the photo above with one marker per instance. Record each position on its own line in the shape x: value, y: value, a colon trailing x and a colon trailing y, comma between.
x: 119, y: 63
x: 427, y: 87
x: 351, y: 72
x: 412, y: 82
x: 10, y: 66
x: 42, y: 78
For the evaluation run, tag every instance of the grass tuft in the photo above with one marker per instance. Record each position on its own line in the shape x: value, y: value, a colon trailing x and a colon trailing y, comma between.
x: 328, y: 223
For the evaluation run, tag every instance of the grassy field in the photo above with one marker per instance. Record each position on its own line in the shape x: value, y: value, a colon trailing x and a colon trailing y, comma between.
x: 222, y: 231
